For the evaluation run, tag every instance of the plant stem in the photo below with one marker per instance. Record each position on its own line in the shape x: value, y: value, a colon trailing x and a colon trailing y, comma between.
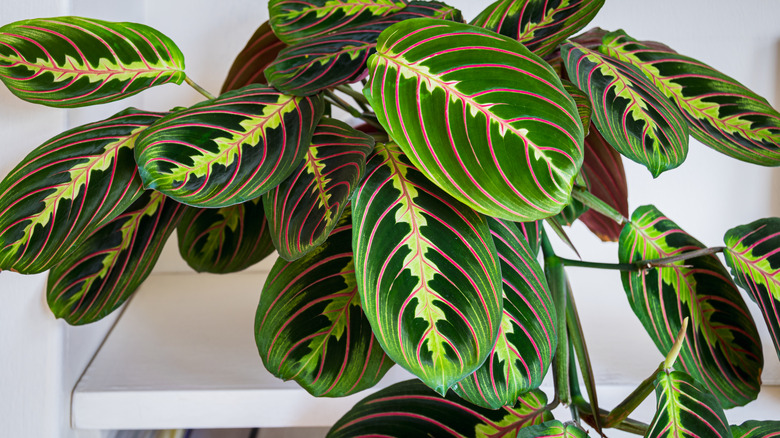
x: 671, y: 358
x: 627, y: 406
x: 596, y: 265
x: 351, y: 92
x: 198, y: 88
x: 354, y: 112
x: 556, y: 279
x: 582, y: 356
x: 663, y: 262
x: 589, y: 200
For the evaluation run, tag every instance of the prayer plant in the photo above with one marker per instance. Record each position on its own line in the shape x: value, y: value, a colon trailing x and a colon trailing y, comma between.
x: 413, y: 235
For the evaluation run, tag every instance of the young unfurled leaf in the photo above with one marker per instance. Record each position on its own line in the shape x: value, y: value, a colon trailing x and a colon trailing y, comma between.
x: 309, y: 325
x: 480, y: 115
x: 295, y: 21
x: 249, y: 66
x: 99, y: 275
x: 228, y: 150
x: 756, y: 429
x: 224, y: 240
x: 427, y: 269
x: 74, y: 61
x: 67, y: 188
x: 629, y: 111
x: 527, y: 339
x: 721, y: 112
x: 553, y: 429
x: 539, y: 24
x: 305, y: 207
x: 753, y: 256
x: 685, y: 409
x: 339, y: 58
x: 412, y: 410
x: 722, y: 348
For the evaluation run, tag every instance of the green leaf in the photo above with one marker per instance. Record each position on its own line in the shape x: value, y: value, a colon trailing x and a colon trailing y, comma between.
x: 338, y: 58
x: 224, y: 240
x: 756, y: 429
x: 103, y: 272
x: 527, y: 337
x: 67, y: 188
x: 228, y: 150
x: 584, y: 108
x: 532, y: 234
x: 752, y: 254
x: 541, y: 25
x: 629, y: 111
x: 412, y: 410
x: 295, y: 21
x: 722, y: 348
x: 553, y: 429
x: 249, y: 66
x: 685, y: 409
x: 479, y: 115
x: 721, y: 112
x: 73, y: 61
x: 304, y: 208
x: 427, y: 270
x: 309, y: 325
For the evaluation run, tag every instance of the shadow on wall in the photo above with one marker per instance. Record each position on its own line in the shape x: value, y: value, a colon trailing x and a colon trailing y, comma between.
x: 775, y: 191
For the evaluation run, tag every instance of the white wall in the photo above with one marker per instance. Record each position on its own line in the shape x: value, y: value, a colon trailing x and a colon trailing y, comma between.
x: 40, y: 358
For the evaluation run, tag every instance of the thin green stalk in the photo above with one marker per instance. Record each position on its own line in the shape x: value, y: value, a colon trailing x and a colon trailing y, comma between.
x: 357, y: 96
x: 589, y: 200
x: 628, y: 425
x: 596, y: 265
x: 354, y: 112
x: 663, y: 262
x: 198, y: 88
x: 577, y: 340
x: 630, y: 403
x: 556, y: 279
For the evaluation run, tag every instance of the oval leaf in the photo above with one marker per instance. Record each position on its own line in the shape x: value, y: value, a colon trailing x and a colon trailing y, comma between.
x: 527, y: 338
x: 539, y: 24
x: 685, y: 409
x: 553, y: 429
x: 606, y: 179
x: 325, y: 62
x: 634, y: 116
x: 294, y: 21
x: 249, y: 66
x: 73, y: 61
x: 721, y: 112
x: 304, y: 208
x: 67, y: 188
x: 228, y: 150
x: 411, y: 410
x: 100, y: 274
x: 468, y: 116
x: 757, y: 429
x: 753, y: 256
x: 722, y: 348
x: 434, y: 305
x: 309, y: 325
x: 224, y: 240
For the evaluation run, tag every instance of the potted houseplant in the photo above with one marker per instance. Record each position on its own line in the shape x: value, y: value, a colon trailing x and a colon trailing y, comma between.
x: 470, y: 139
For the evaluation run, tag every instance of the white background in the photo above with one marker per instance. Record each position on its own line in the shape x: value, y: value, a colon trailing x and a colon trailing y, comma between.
x: 40, y: 358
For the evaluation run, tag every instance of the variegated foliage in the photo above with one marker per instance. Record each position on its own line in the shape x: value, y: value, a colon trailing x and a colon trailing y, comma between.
x: 338, y: 58
x: 67, y: 188
x: 465, y: 103
x: 309, y: 325
x: 101, y: 273
x: 541, y: 25
x: 295, y: 21
x: 224, y: 240
x: 427, y: 269
x: 753, y: 254
x: 249, y: 66
x: 756, y: 429
x: 527, y: 337
x: 722, y: 348
x: 553, y: 429
x: 685, y: 409
x: 75, y: 61
x: 721, y: 112
x: 411, y: 410
x: 532, y: 234
x: 228, y: 150
x: 606, y: 179
x: 629, y: 111
x: 305, y: 207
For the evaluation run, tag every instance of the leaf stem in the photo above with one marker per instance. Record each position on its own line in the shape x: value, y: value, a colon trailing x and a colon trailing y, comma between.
x: 596, y: 265
x: 354, y: 112
x: 663, y: 262
x: 198, y: 88
x: 556, y: 279
x: 590, y: 200
x: 630, y: 403
x: 356, y: 95
x: 582, y: 356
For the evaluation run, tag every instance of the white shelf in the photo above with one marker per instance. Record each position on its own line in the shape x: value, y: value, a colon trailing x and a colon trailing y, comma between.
x: 183, y: 356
